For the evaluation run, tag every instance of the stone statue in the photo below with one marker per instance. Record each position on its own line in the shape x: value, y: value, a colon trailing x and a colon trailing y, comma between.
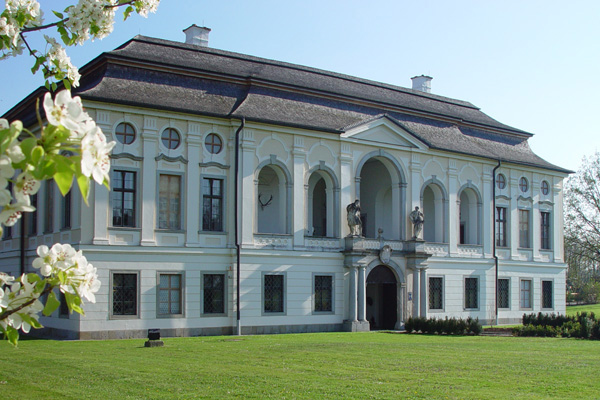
x: 417, y: 219
x: 354, y: 221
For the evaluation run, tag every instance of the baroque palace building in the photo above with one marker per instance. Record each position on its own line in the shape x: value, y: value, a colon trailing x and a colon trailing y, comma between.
x: 230, y: 183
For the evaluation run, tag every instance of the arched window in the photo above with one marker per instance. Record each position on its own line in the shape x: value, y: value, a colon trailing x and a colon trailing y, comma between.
x: 322, y: 215
x: 434, y: 211
x: 272, y: 200
x: 469, y: 218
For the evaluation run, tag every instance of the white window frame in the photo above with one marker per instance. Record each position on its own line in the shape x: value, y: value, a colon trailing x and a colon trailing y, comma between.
x: 182, y: 206
x: 529, y: 238
x: 137, y: 199
x: 183, y: 284
x: 521, y: 280
x: 223, y: 206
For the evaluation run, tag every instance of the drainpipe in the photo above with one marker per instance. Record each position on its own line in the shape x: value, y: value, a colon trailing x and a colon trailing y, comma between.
x: 237, y: 202
x: 494, y: 237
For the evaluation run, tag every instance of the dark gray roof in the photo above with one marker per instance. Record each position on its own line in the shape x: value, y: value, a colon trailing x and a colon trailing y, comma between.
x: 156, y: 73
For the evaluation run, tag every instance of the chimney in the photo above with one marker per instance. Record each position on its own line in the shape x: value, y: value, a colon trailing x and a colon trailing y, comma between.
x: 197, y: 35
x: 422, y: 83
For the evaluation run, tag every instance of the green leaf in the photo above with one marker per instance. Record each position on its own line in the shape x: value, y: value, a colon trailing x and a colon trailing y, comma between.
x: 67, y: 84
x: 32, y: 277
x: 127, y: 12
x: 31, y: 321
x: 74, y: 302
x: 37, y: 155
x: 84, y: 186
x: 51, y: 304
x: 12, y: 335
x: 58, y: 15
x: 64, y: 174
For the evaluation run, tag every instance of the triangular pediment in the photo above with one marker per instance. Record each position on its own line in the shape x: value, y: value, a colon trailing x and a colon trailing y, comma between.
x: 384, y: 131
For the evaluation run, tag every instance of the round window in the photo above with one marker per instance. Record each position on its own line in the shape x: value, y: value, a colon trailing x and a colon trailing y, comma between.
x: 501, y: 181
x: 523, y: 185
x: 170, y: 138
x: 213, y: 143
x: 545, y: 188
x: 125, y: 133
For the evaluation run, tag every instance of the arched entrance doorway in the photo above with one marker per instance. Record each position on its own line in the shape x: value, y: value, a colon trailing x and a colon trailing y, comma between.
x: 382, y: 298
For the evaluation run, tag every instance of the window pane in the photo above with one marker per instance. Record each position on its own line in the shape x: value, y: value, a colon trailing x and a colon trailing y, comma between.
x: 503, y: 293
x: 124, y: 294
x: 471, y: 293
x: 323, y: 293
x: 436, y: 293
x: 547, y: 294
x: 273, y: 293
x: 214, y: 294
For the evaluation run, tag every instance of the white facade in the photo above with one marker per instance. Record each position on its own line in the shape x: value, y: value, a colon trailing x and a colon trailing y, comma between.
x: 299, y: 271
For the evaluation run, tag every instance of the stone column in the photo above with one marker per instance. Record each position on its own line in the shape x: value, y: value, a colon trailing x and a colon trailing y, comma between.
x: 416, y: 293
x: 423, y: 291
x: 487, y: 213
x: 362, y: 293
x: 352, y: 295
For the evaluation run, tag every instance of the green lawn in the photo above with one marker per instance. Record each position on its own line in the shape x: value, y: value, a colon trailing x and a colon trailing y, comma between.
x: 305, y: 366
x: 595, y: 308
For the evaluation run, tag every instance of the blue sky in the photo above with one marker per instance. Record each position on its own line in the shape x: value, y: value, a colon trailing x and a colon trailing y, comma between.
x: 533, y: 65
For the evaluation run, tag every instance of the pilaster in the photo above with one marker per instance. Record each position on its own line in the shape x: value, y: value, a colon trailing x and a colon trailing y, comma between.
x: 194, y: 149
x: 298, y: 204
x: 149, y: 178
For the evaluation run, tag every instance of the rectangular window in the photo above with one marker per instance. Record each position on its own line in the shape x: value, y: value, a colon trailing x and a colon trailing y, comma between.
x: 436, y: 293
x: 545, y: 230
x: 273, y: 293
x: 503, y: 293
x: 124, y: 293
x: 170, y: 297
x: 547, y: 295
x: 49, y: 217
x: 66, y: 211
x: 525, y: 293
x: 214, y: 293
x: 524, y: 229
x: 169, y: 202
x: 32, y: 217
x: 471, y: 292
x: 123, y: 198
x: 212, y: 209
x: 323, y: 293
x: 501, y: 226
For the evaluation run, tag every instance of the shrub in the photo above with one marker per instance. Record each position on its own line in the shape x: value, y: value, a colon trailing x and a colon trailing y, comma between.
x: 448, y: 326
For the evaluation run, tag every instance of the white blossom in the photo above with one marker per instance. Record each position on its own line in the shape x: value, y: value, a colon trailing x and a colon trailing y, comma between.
x: 147, y: 6
x: 59, y: 60
x: 65, y: 110
x: 91, y: 18
x: 95, y: 160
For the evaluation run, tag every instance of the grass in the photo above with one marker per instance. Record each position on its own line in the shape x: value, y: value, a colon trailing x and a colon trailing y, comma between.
x: 595, y: 308
x: 305, y: 366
